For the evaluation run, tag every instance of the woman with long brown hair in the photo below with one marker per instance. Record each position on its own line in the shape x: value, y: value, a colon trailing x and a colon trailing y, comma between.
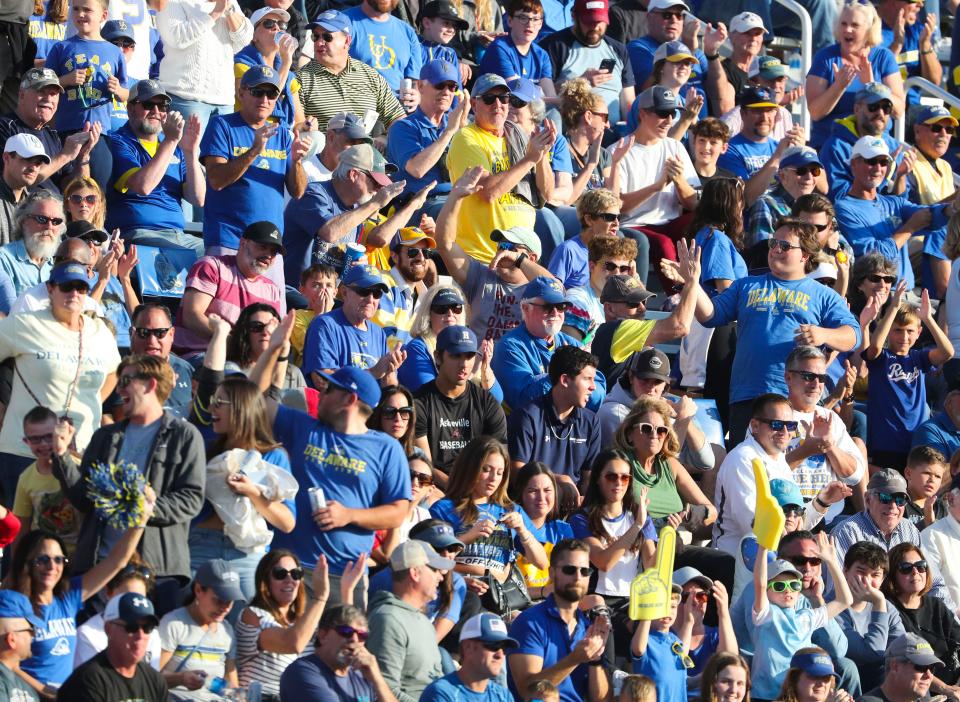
x: 396, y: 415
x: 726, y: 678
x: 250, y: 337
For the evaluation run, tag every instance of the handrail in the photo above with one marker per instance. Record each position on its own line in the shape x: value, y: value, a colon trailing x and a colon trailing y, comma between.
x: 806, y: 54
x: 923, y: 85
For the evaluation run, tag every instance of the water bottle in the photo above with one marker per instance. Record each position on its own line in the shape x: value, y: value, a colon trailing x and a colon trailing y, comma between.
x: 795, y: 71
x: 254, y: 691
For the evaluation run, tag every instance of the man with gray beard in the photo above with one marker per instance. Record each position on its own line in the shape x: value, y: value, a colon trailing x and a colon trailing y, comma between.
x: 37, y: 228
x: 155, y: 165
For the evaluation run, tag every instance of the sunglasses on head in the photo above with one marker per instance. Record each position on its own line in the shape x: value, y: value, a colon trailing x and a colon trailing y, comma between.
x: 607, y: 216
x: 89, y: 199
x: 44, y: 561
x: 781, y: 245
x: 809, y: 377
x: 549, y: 307
x: 619, y: 478
x: 649, y: 429
x: 279, y: 573
x: 784, y: 585
x: 804, y: 170
x: 444, y: 309
x: 326, y: 37
x: 888, y: 279
x: 779, y: 424
x: 124, y: 43
x: 502, y: 98
x: 422, y: 478
x: 137, y: 627
x: 347, y: 632
x: 43, y: 219
x: 269, y: 93
x: 258, y: 327
x: 274, y: 24
x: 375, y: 293
x: 938, y: 128
x: 900, y: 500
x: 517, y: 103
x: 907, y: 567
x: 392, y: 412
x: 582, y: 571
x: 884, y: 105
x: 611, y: 267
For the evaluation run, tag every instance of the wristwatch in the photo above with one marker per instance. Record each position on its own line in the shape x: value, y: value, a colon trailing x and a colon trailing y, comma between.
x: 520, y: 259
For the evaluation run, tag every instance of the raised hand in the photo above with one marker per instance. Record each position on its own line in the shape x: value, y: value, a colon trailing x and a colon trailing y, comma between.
x: 468, y: 183
x: 190, y: 141
x: 844, y: 74
x: 926, y: 309
x: 301, y: 145
x: 262, y: 135
x: 320, y: 580
x: 713, y: 38
x: 387, y: 193
x: 791, y: 96
x: 621, y: 149
x: 688, y: 259
x: 896, y: 296
x: 173, y: 126
x: 926, y: 34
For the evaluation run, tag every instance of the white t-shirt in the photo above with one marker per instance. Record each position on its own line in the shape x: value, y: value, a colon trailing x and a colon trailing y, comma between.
x: 616, y: 581
x: 37, y: 298
x: 641, y: 167
x: 91, y: 639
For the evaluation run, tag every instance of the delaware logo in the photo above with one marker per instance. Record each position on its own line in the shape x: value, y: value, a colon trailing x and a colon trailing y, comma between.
x: 61, y: 648
x: 264, y: 164
x: 383, y: 55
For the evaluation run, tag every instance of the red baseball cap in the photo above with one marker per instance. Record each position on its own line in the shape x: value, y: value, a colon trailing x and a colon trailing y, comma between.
x: 592, y: 10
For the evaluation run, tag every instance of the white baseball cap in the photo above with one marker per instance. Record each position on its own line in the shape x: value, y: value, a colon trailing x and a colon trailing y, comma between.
x: 25, y: 146
x: 870, y: 147
x: 745, y: 22
x: 666, y: 5
x: 264, y: 11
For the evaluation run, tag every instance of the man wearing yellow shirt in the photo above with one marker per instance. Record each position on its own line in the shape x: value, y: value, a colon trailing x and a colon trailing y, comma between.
x: 498, y: 204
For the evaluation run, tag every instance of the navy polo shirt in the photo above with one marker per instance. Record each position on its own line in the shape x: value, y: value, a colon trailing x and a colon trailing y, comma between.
x: 409, y: 136
x: 536, y: 433
x: 301, y: 220
x: 541, y: 632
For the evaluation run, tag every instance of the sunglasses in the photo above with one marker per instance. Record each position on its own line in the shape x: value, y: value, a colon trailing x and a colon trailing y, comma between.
x: 801, y: 561
x: 611, y: 267
x: 279, y: 573
x: 606, y: 216
x: 687, y: 661
x: 884, y: 105
x: 877, y: 161
x: 274, y: 24
x: 784, y: 585
x: 124, y: 43
x: 140, y: 571
x: 699, y: 597
x: 781, y: 245
x: 347, y: 632
x: 43, y: 219
x: 444, y: 309
x: 38, y: 439
x: 323, y: 36
x: 492, y: 647
x: 663, y: 114
x: 809, y: 377
x: 422, y: 478
x: 502, y: 98
x: 44, y: 561
x: 924, y: 669
x: 448, y: 85
x: 582, y: 571
x: 649, y: 429
x: 549, y: 307
x: 517, y: 103
x: 793, y: 511
x: 416, y: 252
x: 617, y: 478
x: 780, y: 424
x: 89, y: 199
x: 137, y: 627
x: 907, y: 567
x: 886, y: 498
x: 820, y: 229
x: 376, y: 293
x: 265, y: 92
x: 75, y: 286
x: 888, y: 279
x: 219, y: 402
x: 804, y: 170
x: 258, y: 327
x: 670, y: 15
x: 124, y: 380
x: 392, y: 412
x: 938, y: 128
x: 160, y: 105
x: 146, y: 332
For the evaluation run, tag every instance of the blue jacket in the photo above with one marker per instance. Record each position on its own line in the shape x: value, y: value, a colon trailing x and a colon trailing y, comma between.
x: 835, y: 154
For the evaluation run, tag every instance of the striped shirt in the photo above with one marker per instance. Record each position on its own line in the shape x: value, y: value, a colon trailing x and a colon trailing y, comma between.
x: 357, y: 88
x: 253, y: 663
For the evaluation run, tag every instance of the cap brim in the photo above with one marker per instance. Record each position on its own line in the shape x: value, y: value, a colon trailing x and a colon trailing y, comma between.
x: 943, y: 118
x: 373, y: 284
x: 772, y: 73
x: 45, y: 83
x: 677, y: 58
x: 231, y: 594
x: 458, y: 22
x: 762, y: 104
x: 440, y: 563
x: 381, y: 178
x: 329, y: 28
x: 97, y: 235
x: 431, y: 243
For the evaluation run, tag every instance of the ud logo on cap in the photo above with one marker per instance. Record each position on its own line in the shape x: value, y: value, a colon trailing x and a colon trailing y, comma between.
x: 230, y: 576
x: 668, y: 95
x: 555, y: 284
x: 655, y: 362
x: 121, y: 24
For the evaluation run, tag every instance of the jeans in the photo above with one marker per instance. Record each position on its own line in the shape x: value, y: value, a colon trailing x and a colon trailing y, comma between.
x: 164, y: 238
x: 209, y: 544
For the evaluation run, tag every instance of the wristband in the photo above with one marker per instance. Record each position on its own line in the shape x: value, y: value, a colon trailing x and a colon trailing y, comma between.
x: 821, y: 502
x: 283, y: 358
x: 712, y: 57
x: 520, y: 259
x: 926, y: 52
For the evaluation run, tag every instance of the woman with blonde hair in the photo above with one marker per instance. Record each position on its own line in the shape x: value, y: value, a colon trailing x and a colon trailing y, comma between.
x: 83, y: 200
x: 585, y: 117
x: 841, y: 70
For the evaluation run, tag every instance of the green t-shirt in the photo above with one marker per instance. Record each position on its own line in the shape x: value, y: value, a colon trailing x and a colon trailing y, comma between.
x: 13, y: 689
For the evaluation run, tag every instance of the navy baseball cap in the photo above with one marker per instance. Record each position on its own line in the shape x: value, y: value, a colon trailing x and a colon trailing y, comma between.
x: 363, y: 276
x: 15, y: 605
x: 799, y: 156
x: 547, y: 288
x: 457, y: 339
x: 816, y: 665
x: 440, y: 535
x: 116, y: 29
x: 260, y: 75
x: 356, y: 380
x: 349, y: 124
x: 219, y: 576
x: 332, y: 21
x: 130, y: 608
x: 439, y: 71
x: 756, y: 96
x: 487, y: 82
x: 488, y: 628
x: 935, y: 113
x: 659, y: 98
x: 525, y: 89
x: 447, y: 296
x: 69, y: 273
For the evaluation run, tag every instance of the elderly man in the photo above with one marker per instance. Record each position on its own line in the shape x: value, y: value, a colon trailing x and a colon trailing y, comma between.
x: 941, y: 541
x: 37, y: 227
x: 155, y: 166
x: 17, y: 625
x: 584, y: 50
x: 484, y: 643
x: 908, y: 30
x: 800, y: 173
x: 908, y: 674
x: 23, y: 161
x: 767, y: 72
x: 333, y: 81
x: 384, y: 42
x: 746, y: 40
x: 344, y: 130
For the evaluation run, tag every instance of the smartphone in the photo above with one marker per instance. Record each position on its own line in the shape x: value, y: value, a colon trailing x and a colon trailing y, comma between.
x: 83, y: 137
x: 608, y: 65
x: 115, y: 237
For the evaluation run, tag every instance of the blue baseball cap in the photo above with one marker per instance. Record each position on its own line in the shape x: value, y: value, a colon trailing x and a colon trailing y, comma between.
x: 260, y: 75
x: 447, y: 296
x: 659, y: 98
x: 547, y: 288
x: 15, y: 605
x: 350, y: 125
x: 69, y: 272
x: 799, y: 156
x: 440, y: 535
x: 816, y: 665
x: 486, y: 627
x: 356, y: 380
x: 786, y: 492
x: 689, y: 574
x: 439, y: 71
x: 873, y: 93
x: 674, y: 52
x: 487, y: 82
x: 756, y: 96
x: 525, y: 89
x: 116, y: 29
x: 935, y: 113
x: 766, y: 67
x: 363, y: 276
x: 457, y: 339
x: 332, y: 21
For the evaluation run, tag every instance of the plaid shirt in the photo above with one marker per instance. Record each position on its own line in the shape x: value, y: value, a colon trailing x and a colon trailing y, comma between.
x: 764, y: 215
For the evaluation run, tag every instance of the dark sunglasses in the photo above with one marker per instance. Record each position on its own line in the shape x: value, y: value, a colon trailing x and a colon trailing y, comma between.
x: 809, y: 377
x: 348, y: 632
x: 801, y: 561
x: 821, y: 228
x: 700, y: 597
x: 886, y: 498
x: 888, y: 279
x: 137, y: 627
x: 938, y: 128
x: 146, y: 332
x: 258, y: 327
x: 649, y: 429
x: 327, y: 37
x: 611, y: 267
x: 448, y: 85
x: 549, y: 307
x: 124, y: 380
x: 907, y: 567
x: 161, y: 105
x: 495, y: 646
x: 265, y: 92
x: 502, y: 98
x: 89, y: 199
x: 804, y: 170
x: 140, y: 571
x: 670, y: 15
x: 924, y: 669
x: 877, y: 161
x: 443, y: 309
x: 663, y: 114
x: 781, y: 245
x: 45, y: 561
x: 884, y: 105
x: 75, y: 286
x: 779, y: 424
x: 124, y: 43
x: 582, y: 571
x: 517, y: 103
x: 392, y: 412
x: 43, y: 219
x: 422, y: 478
x: 606, y: 216
x: 376, y: 293
x: 416, y: 252
x: 274, y: 24
x: 794, y: 511
x: 784, y: 585
x: 279, y: 573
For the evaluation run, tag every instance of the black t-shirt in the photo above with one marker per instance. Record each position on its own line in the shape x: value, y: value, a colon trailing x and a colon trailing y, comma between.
x: 737, y: 78
x: 11, y: 125
x: 97, y: 681
x: 451, y: 423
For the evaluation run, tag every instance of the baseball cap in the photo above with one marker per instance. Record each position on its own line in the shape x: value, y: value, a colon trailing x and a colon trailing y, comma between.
x: 116, y: 29
x: 439, y: 71
x: 816, y: 664
x: 518, y: 235
x: 264, y: 233
x: 260, y: 75
x: 689, y: 574
x: 440, y: 535
x: 786, y: 492
x: 457, y: 339
x: 935, y: 113
x: 25, y: 146
x: 799, y: 156
x: 550, y: 290
x: 16, y: 605
x: 264, y: 11
x: 824, y: 269
x: 888, y: 481
x: 413, y: 553
x: 408, y: 236
x: 624, y: 288
x: 650, y: 364
x: 673, y: 51
x: 654, y: 5
x: 219, y: 576
x: 912, y: 647
x: 951, y: 374
x: 756, y: 96
x: 447, y: 296
x: 363, y: 276
x: 82, y: 229
x: 486, y: 627
x: 444, y: 9
x: 659, y: 98
x: 365, y: 158
x: 37, y: 78
x: 524, y: 89
x: 145, y: 90
x: 874, y: 92
x: 332, y: 21
x: 780, y: 567
x: 868, y: 147
x: 350, y: 124
x: 487, y: 82
x: 69, y: 272
x: 356, y: 380
x: 746, y: 22
x: 766, y: 67
x: 591, y: 10
x: 130, y: 608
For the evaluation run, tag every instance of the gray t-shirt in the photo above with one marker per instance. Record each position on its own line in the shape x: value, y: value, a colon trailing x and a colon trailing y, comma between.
x: 494, y: 305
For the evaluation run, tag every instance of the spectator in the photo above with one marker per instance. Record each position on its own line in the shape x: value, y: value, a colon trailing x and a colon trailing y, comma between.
x: 726, y: 677
x: 344, y: 129
x: 556, y: 640
x: 333, y: 81
x: 705, y: 640
x: 121, y: 35
x: 452, y: 410
x: 746, y: 40
x: 909, y: 32
x: 387, y: 43
x: 37, y: 227
x: 146, y: 187
x: 341, y: 668
x: 908, y: 671
x: 18, y: 617
x: 83, y: 200
x: 247, y: 341
x: 873, y: 275
x: 709, y: 140
x: 516, y: 55
x: 223, y: 285
x: 129, y: 621
x: 398, y: 627
x: 811, y: 676
x: 599, y: 212
x: 941, y: 539
x: 672, y: 68
x: 396, y: 416
x: 536, y: 491
x: 78, y: 247
x: 23, y: 159
x: 235, y: 143
x: 560, y: 413
x: 657, y: 652
x: 483, y: 645
x: 924, y: 471
x: 318, y: 285
x: 942, y: 430
x: 799, y: 173
x: 443, y: 23
x: 410, y: 265
x: 585, y: 50
x: 769, y: 73
x: 584, y: 119
x: 817, y: 209
x: 152, y: 334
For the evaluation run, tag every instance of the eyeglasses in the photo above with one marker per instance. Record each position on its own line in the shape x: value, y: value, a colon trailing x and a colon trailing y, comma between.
x: 502, y: 98
x: 649, y: 429
x: 907, y: 567
x: 265, y: 92
x: 781, y: 245
x: 38, y: 439
x: 416, y: 252
x: 611, y: 267
x: 274, y: 24
x: 687, y: 661
x: 801, y: 561
x: 804, y: 170
x: 347, y: 632
x: 668, y: 16
x: 495, y: 646
x: 606, y: 216
x: 517, y: 103
x: 219, y: 402
x: 422, y: 478
x: 326, y: 37
x: 784, y: 585
x: 527, y: 19
x: 258, y: 327
x: 877, y: 161
x: 124, y: 380
x: 793, y: 511
x: 617, y: 478
x: 89, y: 199
x: 43, y: 219
x: 582, y: 571
x: 375, y: 293
x: 604, y: 116
x: 279, y: 573
x: 663, y: 114
x: 29, y: 629
x: 779, y: 424
x: 809, y: 377
x: 124, y: 43
x: 550, y: 307
x: 900, y: 500
x: 392, y: 412
x: 44, y: 561
x: 448, y: 85
x: 444, y: 309
x: 884, y: 105
x: 147, y: 332
x: 888, y: 279
x: 137, y: 627
x: 938, y: 128
x: 159, y: 105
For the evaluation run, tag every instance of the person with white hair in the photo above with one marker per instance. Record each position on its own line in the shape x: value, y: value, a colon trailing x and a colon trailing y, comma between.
x: 941, y: 541
x: 38, y: 224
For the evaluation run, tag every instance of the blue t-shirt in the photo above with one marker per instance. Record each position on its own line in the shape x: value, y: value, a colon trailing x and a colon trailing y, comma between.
x: 357, y: 470
x: 560, y: 159
x: 332, y: 342
x: 570, y: 263
x: 55, y: 642
x: 301, y: 220
x: 494, y: 551
x: 258, y: 194
x: 118, y: 108
x: 309, y: 678
x: 898, y: 398
x: 745, y: 157
x: 45, y: 33
x: 450, y: 689
x: 768, y: 311
x: 283, y: 110
x: 504, y: 59
x: 182, y: 394
x: 91, y: 101
x: 382, y: 581
x: 409, y: 136
x: 719, y: 259
x: 391, y: 47
x: 663, y: 666
x: 128, y: 210
x: 825, y: 63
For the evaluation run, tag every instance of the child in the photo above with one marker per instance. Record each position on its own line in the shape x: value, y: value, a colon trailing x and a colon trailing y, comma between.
x: 92, y: 71
x: 637, y: 688
x: 895, y: 384
x: 778, y: 624
x: 439, y: 23
x: 516, y: 55
x: 541, y: 691
x: 318, y: 284
x: 924, y: 473
x: 120, y: 34
x: 709, y: 139
x: 660, y: 654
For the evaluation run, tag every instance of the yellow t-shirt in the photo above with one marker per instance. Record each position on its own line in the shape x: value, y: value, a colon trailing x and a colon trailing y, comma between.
x: 473, y: 146
x: 41, y: 504
x: 298, y: 334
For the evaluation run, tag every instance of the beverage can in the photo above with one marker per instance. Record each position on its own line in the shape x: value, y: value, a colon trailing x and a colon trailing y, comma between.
x: 217, y: 685
x: 406, y: 84
x: 317, y: 499
x: 354, y: 254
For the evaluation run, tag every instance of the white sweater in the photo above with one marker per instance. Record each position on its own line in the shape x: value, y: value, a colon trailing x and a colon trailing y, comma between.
x: 198, y: 52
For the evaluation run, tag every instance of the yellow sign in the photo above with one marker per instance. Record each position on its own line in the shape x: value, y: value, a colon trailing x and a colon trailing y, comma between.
x: 768, y: 519
x: 650, y: 590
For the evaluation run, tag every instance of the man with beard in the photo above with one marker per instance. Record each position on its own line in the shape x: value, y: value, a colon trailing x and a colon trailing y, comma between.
x: 152, y: 174
x: 409, y: 259
x: 555, y: 639
x: 581, y: 50
x: 224, y: 285
x: 37, y: 227
x: 23, y: 160
x: 909, y: 663
x: 386, y: 43
x: 483, y: 645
